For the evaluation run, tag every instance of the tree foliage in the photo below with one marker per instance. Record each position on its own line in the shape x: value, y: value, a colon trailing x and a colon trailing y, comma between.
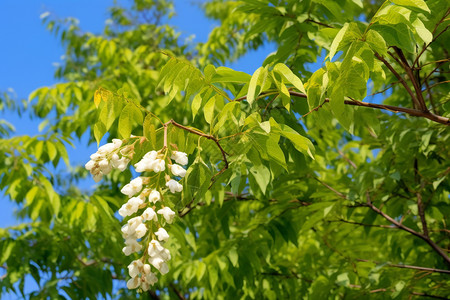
x: 330, y: 183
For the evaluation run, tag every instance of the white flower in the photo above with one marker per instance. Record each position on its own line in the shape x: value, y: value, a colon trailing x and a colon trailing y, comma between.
x: 158, y: 165
x: 98, y: 177
x: 154, y: 248
x: 151, y: 155
x: 146, y: 163
x: 119, y: 163
x: 132, y: 246
x: 174, y: 186
x: 162, y: 234
x: 177, y: 170
x: 149, y: 215
x: 156, y: 261
x: 164, y: 268
x: 140, y: 231
x: 180, y: 157
x: 89, y: 165
x: 110, y: 147
x: 154, y: 196
x: 131, y: 206
x: 133, y: 187
x: 96, y: 156
x: 134, y: 268
x: 167, y: 213
x: 150, y: 278
x: 147, y: 269
x: 134, y: 283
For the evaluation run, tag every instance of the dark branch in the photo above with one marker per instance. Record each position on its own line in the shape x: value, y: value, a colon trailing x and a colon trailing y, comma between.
x: 433, y: 245
x: 396, y: 109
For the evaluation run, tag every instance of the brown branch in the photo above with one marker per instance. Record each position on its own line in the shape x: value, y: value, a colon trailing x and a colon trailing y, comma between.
x: 433, y: 245
x: 428, y: 295
x: 395, y: 109
x: 347, y: 159
x: 330, y: 188
x: 433, y: 270
x: 424, y: 48
x: 207, y: 136
x: 421, y: 102
x: 362, y: 224
x: 398, y: 76
x: 315, y: 108
x: 177, y: 292
x: 385, y: 89
x: 433, y: 85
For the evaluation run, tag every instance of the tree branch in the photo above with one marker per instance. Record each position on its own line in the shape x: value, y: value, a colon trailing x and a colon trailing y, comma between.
x: 421, y: 102
x: 396, y: 109
x: 399, y: 77
x: 433, y: 270
x: 177, y: 292
x: 433, y: 245
x: 207, y: 136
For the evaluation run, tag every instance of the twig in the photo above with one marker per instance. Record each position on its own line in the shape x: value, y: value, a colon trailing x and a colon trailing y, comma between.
x: 347, y: 159
x: 433, y: 270
x: 207, y: 136
x: 398, y: 76
x: 330, y: 188
x: 424, y: 48
x: 413, y: 79
x: 396, y: 109
x: 433, y: 245
x: 362, y: 224
x: 428, y: 295
x: 177, y: 292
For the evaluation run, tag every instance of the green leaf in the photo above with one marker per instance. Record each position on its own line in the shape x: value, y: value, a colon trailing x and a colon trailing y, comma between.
x: 284, y: 71
x: 126, y: 121
x: 7, y: 248
x: 417, y: 4
x: 337, y: 40
x: 261, y: 175
x: 396, y: 35
x: 208, y: 109
x: 224, y: 74
x: 233, y: 256
x: 376, y: 42
x: 149, y: 129
x: 256, y: 85
x: 201, y: 269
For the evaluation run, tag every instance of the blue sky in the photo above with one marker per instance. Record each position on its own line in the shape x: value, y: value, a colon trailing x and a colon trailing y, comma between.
x: 29, y: 52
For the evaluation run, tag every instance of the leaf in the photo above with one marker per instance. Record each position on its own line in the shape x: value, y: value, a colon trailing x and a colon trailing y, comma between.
x: 396, y: 35
x: 376, y: 42
x: 418, y: 4
x: 233, y: 256
x: 97, y: 98
x: 212, y: 275
x: 337, y: 40
x: 7, y: 248
x: 208, y: 109
x: 149, y: 129
x: 261, y: 175
x: 201, y: 269
x: 126, y: 121
x: 257, y: 82
x: 283, y: 70
x: 51, y: 150
x: 224, y: 74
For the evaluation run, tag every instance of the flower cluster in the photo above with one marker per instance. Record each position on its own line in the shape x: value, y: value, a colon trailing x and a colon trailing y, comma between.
x: 144, y: 231
x: 139, y: 190
x: 107, y: 157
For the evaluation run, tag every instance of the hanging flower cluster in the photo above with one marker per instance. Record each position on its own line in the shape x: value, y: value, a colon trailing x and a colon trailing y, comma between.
x: 109, y: 156
x: 144, y: 232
